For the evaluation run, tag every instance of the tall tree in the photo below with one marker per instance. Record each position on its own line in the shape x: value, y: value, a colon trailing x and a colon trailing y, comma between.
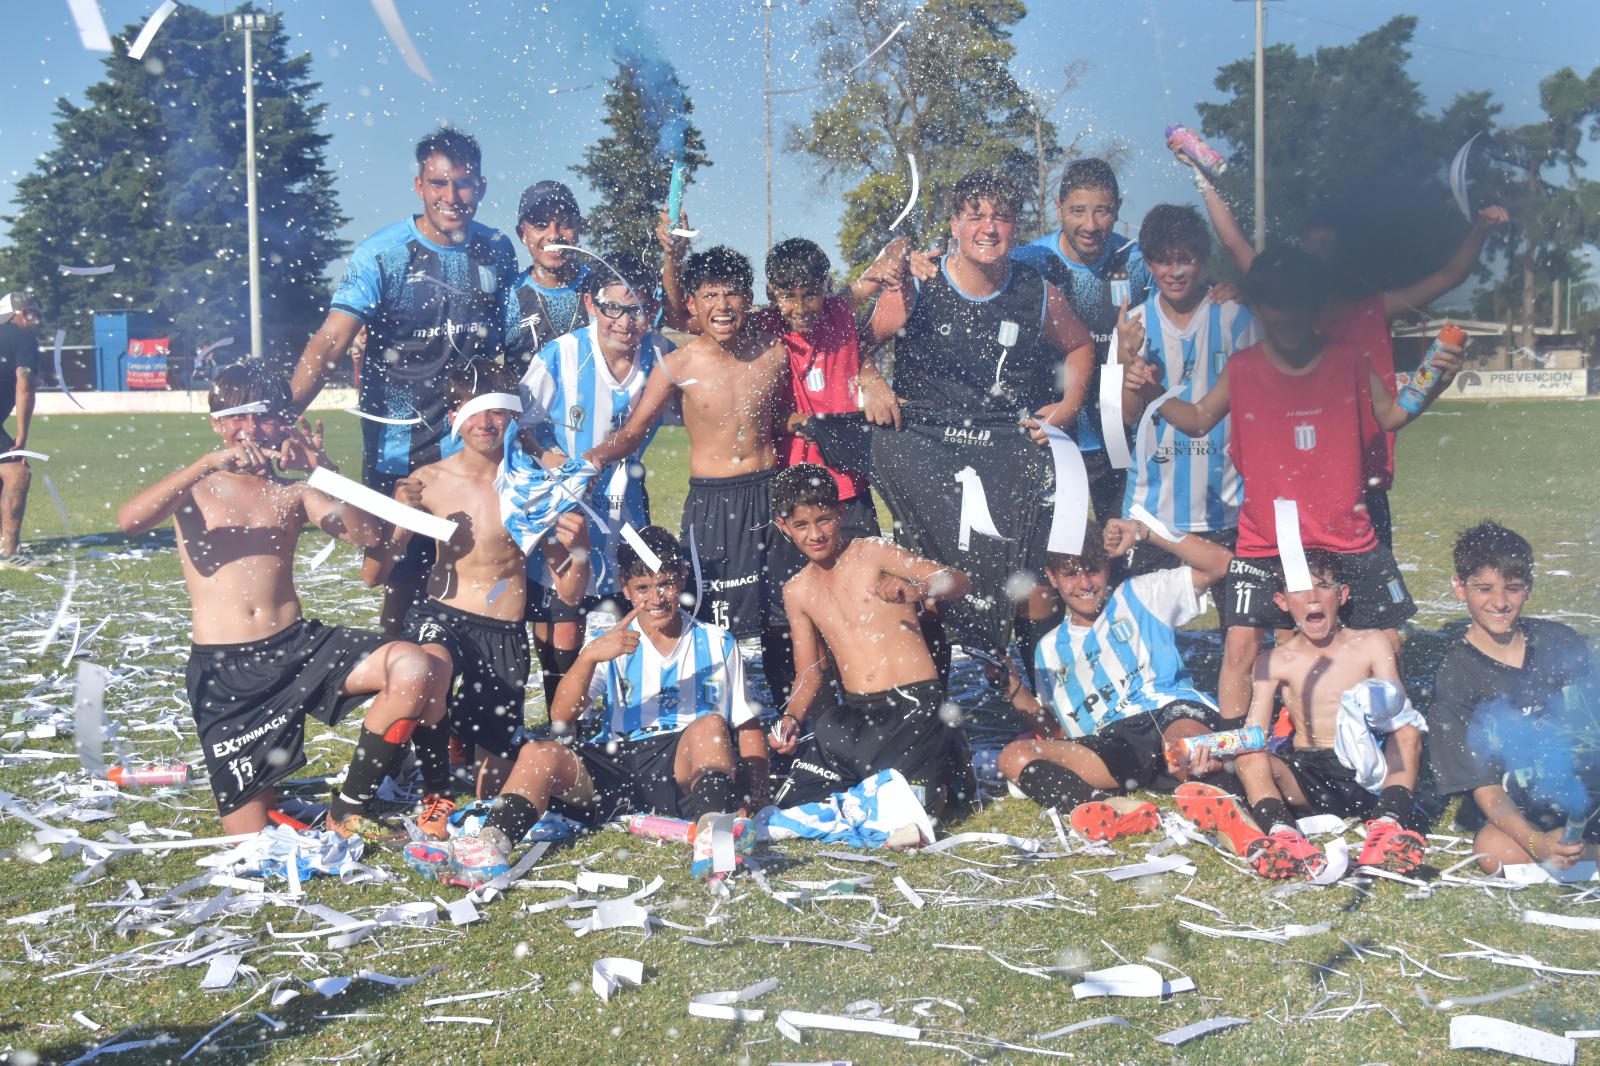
x: 150, y: 176
x: 630, y: 169
x: 940, y: 90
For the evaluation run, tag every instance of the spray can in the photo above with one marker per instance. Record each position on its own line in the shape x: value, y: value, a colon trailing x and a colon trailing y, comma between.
x: 1204, y: 156
x: 675, y: 194
x: 1415, y: 394
x: 149, y: 778
x: 659, y: 828
x: 1223, y: 745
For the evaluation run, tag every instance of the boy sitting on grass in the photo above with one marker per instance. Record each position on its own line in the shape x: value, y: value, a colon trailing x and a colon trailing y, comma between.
x: 471, y: 623
x: 856, y: 601
x: 1357, y: 739
x: 258, y: 668
x: 676, y: 707
x: 1113, y: 688
x: 1535, y: 670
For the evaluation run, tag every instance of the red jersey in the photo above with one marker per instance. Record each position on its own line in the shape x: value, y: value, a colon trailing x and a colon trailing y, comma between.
x: 823, y: 369
x: 1365, y: 324
x: 1299, y: 437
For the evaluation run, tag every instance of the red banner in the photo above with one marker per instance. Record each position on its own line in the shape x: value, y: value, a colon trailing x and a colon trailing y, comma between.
x: 147, y: 363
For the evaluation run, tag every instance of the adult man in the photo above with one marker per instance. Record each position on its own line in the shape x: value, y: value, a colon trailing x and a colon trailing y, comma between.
x: 547, y: 300
x: 19, y: 361
x: 429, y: 290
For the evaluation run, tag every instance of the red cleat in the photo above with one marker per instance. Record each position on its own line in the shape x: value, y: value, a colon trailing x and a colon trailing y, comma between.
x: 1117, y: 816
x: 1392, y: 848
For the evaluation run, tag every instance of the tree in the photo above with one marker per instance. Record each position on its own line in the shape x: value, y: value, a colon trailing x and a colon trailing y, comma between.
x: 150, y: 176
x: 647, y: 111
x: 941, y: 90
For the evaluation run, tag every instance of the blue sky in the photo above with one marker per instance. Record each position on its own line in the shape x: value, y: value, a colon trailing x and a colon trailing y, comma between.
x: 495, y: 61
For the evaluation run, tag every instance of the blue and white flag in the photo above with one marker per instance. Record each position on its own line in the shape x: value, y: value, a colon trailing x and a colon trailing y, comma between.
x: 532, y: 497
x: 864, y: 816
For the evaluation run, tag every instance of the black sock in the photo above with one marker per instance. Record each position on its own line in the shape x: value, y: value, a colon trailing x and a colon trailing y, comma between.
x: 1396, y: 802
x: 1050, y: 785
x: 712, y: 794
x: 777, y: 664
x: 376, y: 757
x: 554, y: 663
x: 512, y: 815
x: 1272, y: 811
x: 432, y: 744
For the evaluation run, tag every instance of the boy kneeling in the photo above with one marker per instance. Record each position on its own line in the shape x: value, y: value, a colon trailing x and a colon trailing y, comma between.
x: 1113, y: 688
x: 676, y: 703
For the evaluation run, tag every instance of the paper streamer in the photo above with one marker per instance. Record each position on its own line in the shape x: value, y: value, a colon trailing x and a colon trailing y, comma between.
x: 1338, y: 853
x: 1154, y: 524
x: 322, y: 556
x: 489, y: 401
x: 91, y: 25
x: 376, y: 503
x: 611, y: 973
x: 1143, y: 438
x: 89, y: 718
x: 648, y: 557
x: 596, y: 255
x: 151, y: 28
x: 1479, y: 1033
x: 72, y: 574
x: 686, y: 233
x: 87, y: 271
x: 916, y: 179
x: 881, y: 46
x: 1296, y: 572
x: 1112, y: 429
x: 1199, y: 1029
x: 723, y: 857
x: 61, y: 379
x: 975, y: 516
x: 402, y: 40
x: 720, y: 1005
x: 1130, y: 980
x: 694, y: 559
x: 1560, y: 921
x: 1458, y: 177
x: 26, y: 454
x: 379, y: 418
x: 1070, y: 521
x: 790, y: 1022
x: 1108, y: 1019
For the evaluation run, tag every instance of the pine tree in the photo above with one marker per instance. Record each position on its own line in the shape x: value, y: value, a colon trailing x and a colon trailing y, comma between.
x: 647, y: 111
x: 150, y: 175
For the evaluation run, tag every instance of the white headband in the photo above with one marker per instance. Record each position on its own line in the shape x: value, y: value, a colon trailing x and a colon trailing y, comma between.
x: 489, y: 401
x: 257, y: 408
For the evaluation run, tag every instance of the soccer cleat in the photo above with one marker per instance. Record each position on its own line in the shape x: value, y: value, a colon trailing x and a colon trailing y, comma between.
x: 434, y: 820
x: 369, y: 829
x: 430, y: 860
x: 1220, y: 812
x: 701, y: 865
x: 1115, y: 817
x: 1391, y: 848
x: 1303, y: 857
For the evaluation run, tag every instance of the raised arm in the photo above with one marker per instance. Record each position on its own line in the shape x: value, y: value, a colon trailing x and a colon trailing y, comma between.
x: 1386, y: 409
x: 159, y: 502
x: 1068, y: 335
x: 658, y: 392
x: 884, y: 275
x: 572, y: 697
x: 674, y: 307
x: 323, y: 352
x: 1201, y: 417
x: 1397, y: 302
x: 1208, y: 561
x: 1239, y: 247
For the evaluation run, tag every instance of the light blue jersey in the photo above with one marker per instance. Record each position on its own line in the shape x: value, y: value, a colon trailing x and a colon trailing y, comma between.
x: 1127, y: 662
x: 1189, y: 482
x: 646, y: 692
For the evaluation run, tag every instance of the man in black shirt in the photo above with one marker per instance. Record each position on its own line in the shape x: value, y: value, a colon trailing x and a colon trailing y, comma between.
x: 19, y: 362
x: 1512, y: 725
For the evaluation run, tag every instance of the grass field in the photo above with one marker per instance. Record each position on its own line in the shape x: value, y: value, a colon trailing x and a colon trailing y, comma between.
x: 1320, y: 998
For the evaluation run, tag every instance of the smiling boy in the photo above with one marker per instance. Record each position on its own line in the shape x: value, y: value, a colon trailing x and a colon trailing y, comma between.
x: 547, y: 300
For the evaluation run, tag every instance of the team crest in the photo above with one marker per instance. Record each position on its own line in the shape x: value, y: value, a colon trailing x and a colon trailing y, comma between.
x: 1305, y: 436
x: 486, y: 278
x: 711, y: 692
x: 1122, y: 631
x: 576, y: 417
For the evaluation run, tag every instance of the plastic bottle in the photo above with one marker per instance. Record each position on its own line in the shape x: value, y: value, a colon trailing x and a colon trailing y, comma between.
x: 1205, y: 157
x: 660, y: 828
x: 1415, y: 394
x: 149, y: 778
x: 1223, y: 745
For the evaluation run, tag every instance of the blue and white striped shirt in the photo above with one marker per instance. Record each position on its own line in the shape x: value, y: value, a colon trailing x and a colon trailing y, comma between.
x: 1189, y: 482
x: 646, y: 692
x: 1127, y: 663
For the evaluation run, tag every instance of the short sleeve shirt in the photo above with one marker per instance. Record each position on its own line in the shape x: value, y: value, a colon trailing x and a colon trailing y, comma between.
x: 646, y: 692
x: 19, y: 350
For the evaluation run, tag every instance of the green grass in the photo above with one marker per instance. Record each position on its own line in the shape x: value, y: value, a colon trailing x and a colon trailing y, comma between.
x: 1526, y: 464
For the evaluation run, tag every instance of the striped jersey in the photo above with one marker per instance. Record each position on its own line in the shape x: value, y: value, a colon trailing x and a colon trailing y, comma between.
x: 646, y: 692
x: 572, y: 401
x: 1190, y: 482
x: 1127, y: 662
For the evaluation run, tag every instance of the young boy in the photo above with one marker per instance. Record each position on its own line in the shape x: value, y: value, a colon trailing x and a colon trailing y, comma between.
x: 676, y: 709
x: 1189, y: 485
x: 1298, y: 401
x: 1113, y: 689
x: 471, y: 622
x: 732, y: 380
x: 579, y: 389
x: 855, y: 601
x: 1357, y: 739
x: 547, y: 299
x: 258, y: 668
x: 1506, y: 663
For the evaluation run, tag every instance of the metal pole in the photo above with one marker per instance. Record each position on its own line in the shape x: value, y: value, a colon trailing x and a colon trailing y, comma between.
x: 767, y: 21
x: 256, y: 347
x: 1261, y: 125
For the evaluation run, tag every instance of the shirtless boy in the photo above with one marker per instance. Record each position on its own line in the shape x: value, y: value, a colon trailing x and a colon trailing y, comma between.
x: 732, y: 379
x: 258, y: 668
x: 856, y: 602
x: 1357, y: 739
x: 471, y: 622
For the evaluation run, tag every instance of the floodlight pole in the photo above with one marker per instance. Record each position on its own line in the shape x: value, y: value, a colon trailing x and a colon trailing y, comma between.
x: 249, y: 23
x: 767, y: 26
x: 1261, y: 125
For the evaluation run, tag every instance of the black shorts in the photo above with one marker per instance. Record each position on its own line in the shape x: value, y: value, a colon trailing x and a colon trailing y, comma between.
x: 1134, y: 748
x: 743, y: 554
x: 1146, y: 558
x: 489, y: 677
x: 632, y: 776
x: 1329, y: 784
x: 250, y: 702
x: 1378, y: 595
x: 1381, y: 516
x: 900, y: 729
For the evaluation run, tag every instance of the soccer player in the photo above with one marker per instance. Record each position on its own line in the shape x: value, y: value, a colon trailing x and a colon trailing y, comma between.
x: 19, y: 362
x: 547, y: 300
x: 258, y: 669
x: 429, y: 290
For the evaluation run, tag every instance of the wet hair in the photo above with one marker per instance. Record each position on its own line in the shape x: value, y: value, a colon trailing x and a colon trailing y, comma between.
x: 1090, y: 174
x: 803, y: 485
x: 460, y: 148
x: 658, y: 540
x: 976, y: 186
x: 1287, y: 278
x: 1320, y: 561
x: 1172, y: 228
x: 1092, y: 558
x: 796, y: 262
x: 466, y: 379
x: 1491, y: 546
x: 635, y: 271
x: 720, y: 263
x: 252, y: 381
